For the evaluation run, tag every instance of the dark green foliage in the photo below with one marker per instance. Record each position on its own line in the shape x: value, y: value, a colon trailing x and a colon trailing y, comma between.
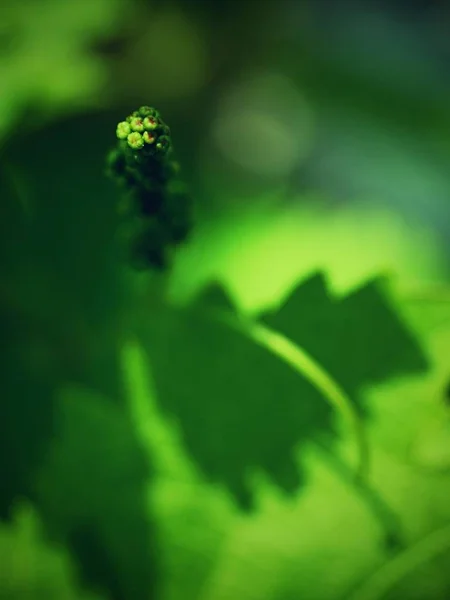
x: 92, y: 494
x: 360, y: 339
x: 70, y: 250
x: 23, y: 441
x: 24, y: 390
x: 13, y: 222
x: 61, y: 299
x: 240, y: 406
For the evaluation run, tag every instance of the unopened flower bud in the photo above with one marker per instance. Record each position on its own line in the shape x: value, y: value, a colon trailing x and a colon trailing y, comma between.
x: 133, y: 115
x: 136, y: 124
x: 163, y: 144
x: 148, y: 137
x: 123, y: 130
x: 148, y: 111
x: 150, y: 123
x: 135, y: 140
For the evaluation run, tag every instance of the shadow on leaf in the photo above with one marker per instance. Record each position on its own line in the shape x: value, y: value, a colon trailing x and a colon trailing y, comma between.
x: 239, y: 407
x: 360, y: 339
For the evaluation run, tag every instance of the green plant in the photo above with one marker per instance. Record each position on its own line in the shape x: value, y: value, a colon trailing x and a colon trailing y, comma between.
x: 156, y: 206
x: 169, y: 430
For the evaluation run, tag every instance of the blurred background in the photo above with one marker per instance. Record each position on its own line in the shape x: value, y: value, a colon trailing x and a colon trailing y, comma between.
x: 313, y: 136
x: 340, y: 107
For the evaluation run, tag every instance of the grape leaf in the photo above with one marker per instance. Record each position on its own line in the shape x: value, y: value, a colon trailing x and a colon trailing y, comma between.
x: 239, y: 406
x: 25, y: 422
x: 360, y: 339
x: 24, y: 390
x: 91, y: 492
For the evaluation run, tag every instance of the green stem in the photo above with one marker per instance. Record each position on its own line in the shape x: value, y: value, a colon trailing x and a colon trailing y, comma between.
x: 308, y: 368
x: 405, y: 563
x: 297, y: 358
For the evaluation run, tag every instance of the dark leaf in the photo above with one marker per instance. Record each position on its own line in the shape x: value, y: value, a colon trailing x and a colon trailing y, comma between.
x: 239, y: 406
x: 92, y: 494
x: 359, y: 339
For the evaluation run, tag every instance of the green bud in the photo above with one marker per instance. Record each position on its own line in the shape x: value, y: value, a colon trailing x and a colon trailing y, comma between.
x: 150, y: 123
x: 163, y: 144
x: 136, y: 124
x: 148, y: 137
x: 148, y: 111
x: 133, y: 115
x: 135, y: 140
x: 123, y: 130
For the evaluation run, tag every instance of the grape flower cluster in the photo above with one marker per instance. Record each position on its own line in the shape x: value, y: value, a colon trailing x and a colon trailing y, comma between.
x: 155, y: 204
